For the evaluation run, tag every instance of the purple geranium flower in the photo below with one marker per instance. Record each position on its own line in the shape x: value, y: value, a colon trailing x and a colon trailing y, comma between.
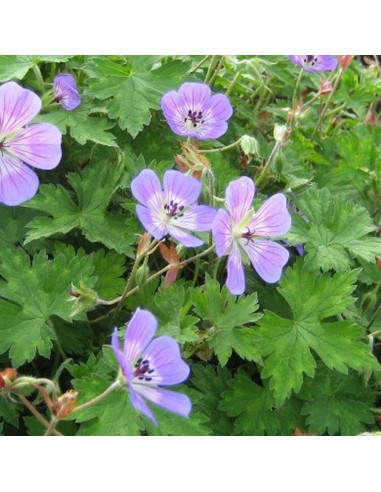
x: 66, y: 92
x: 237, y: 232
x: 173, y: 211
x: 194, y: 112
x: 38, y: 145
x: 315, y: 63
x: 147, y: 364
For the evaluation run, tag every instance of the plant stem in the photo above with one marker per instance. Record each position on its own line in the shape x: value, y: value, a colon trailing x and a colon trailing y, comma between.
x: 213, y: 78
x: 181, y: 264
x: 232, y: 83
x: 51, y: 427
x: 373, y: 319
x: 115, y: 385
x: 199, y: 64
x: 37, y: 414
x: 297, y: 83
x: 57, y: 340
x: 220, y: 149
x: 270, y: 160
x: 129, y: 282
x: 210, y: 69
x: 337, y: 81
x: 39, y: 79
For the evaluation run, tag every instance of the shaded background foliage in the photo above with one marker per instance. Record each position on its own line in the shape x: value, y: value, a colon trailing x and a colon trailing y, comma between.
x: 301, y: 354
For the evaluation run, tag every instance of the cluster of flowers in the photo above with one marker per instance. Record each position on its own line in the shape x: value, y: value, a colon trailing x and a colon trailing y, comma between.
x: 170, y: 210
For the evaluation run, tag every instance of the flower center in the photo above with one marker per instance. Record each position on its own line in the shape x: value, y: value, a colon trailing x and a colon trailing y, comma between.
x: 248, y: 235
x: 142, y: 369
x: 173, y: 209
x: 311, y: 60
x: 193, y: 119
x: 2, y: 146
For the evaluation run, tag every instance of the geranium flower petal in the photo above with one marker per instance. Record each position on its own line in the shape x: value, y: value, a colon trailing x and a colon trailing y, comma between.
x: 239, y: 197
x: 184, y: 237
x: 151, y: 221
x: 18, y: 183
x: 171, y: 106
x: 268, y: 258
x: 180, y: 188
x: 164, y: 357
x: 222, y: 232
x: 139, y: 403
x: 146, y: 188
x: 170, y: 400
x: 18, y: 106
x: 198, y: 218
x: 272, y: 218
x: 124, y: 364
x: 235, y: 281
x: 195, y: 96
x: 66, y: 91
x: 140, y: 331
x: 219, y: 107
x: 38, y: 145
x: 211, y: 129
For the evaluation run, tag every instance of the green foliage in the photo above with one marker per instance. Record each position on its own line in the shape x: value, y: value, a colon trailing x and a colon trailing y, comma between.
x: 133, y: 87
x: 94, y: 188
x: 337, y: 404
x: 16, y: 66
x: 334, y: 230
x: 252, y: 406
x: 26, y: 325
x: 227, y: 317
x: 299, y: 354
x: 113, y: 416
x: 287, y: 343
x: 82, y: 126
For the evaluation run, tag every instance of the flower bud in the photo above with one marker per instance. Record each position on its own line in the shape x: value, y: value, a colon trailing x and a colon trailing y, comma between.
x: 281, y: 134
x: 249, y: 146
x: 144, y: 244
x: 325, y: 87
x: 7, y: 377
x: 344, y: 60
x: 141, y: 274
x: 83, y: 297
x: 64, y: 404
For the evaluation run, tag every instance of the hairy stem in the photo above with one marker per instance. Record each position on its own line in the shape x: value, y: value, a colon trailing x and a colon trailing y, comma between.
x: 37, y: 414
x: 115, y: 385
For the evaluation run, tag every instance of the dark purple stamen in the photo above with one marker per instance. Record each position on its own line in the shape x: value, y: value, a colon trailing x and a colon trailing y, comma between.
x: 143, y: 368
x: 311, y: 60
x: 174, y: 209
x: 248, y: 235
x: 195, y: 117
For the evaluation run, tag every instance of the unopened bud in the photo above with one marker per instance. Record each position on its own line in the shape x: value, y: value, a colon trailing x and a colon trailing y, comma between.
x: 144, y: 244
x: 249, y: 146
x: 83, y: 297
x: 141, y: 274
x: 369, y: 301
x: 65, y: 404
x: 7, y: 377
x: 325, y: 87
x: 281, y: 134
x: 344, y: 60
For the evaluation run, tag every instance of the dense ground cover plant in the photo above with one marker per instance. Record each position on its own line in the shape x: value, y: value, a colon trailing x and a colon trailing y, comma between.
x: 203, y: 256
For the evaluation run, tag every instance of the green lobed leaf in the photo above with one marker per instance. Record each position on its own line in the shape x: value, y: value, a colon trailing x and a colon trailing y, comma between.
x: 227, y: 316
x: 82, y: 126
x: 25, y: 318
x: 337, y: 404
x: 134, y: 88
x: 288, y: 343
x: 334, y: 230
x: 94, y: 189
